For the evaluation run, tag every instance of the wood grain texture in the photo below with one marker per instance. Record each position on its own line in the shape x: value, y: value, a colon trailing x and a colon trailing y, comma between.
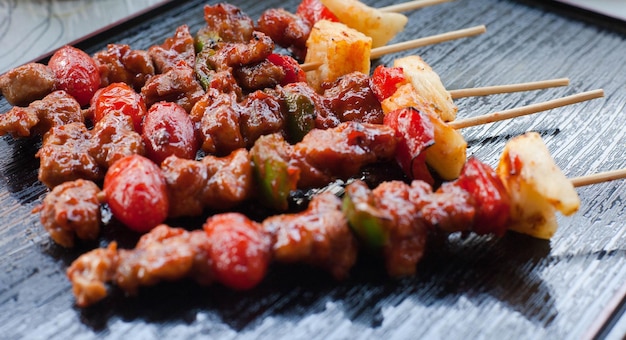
x: 474, y: 287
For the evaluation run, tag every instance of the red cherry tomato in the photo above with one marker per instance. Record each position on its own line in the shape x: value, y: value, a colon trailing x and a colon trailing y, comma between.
x: 415, y: 132
x: 122, y: 98
x: 385, y: 81
x: 76, y: 73
x: 491, y: 198
x: 314, y: 11
x: 137, y: 193
x: 168, y: 130
x: 240, y: 250
x: 293, y: 71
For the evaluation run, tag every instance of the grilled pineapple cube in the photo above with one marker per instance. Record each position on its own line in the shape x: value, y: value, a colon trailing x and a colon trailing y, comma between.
x: 447, y: 156
x: 380, y: 26
x: 340, y: 50
x: 429, y: 86
x: 449, y: 153
x: 536, y: 186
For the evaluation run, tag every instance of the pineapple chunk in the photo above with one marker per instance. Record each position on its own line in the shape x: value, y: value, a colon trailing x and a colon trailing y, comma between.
x: 429, y: 86
x: 380, y: 26
x: 339, y: 49
x: 447, y: 156
x: 536, y: 186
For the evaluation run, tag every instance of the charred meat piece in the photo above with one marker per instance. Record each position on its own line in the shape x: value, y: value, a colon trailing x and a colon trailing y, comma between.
x: 90, y: 273
x: 186, y: 180
x: 286, y: 29
x: 228, y: 22
x: 178, y: 85
x: 216, y: 183
x: 352, y: 99
x: 120, y: 64
x: 450, y: 209
x: 260, y: 114
x: 259, y: 76
x: 27, y: 83
x: 72, y: 210
x: 175, y: 49
x: 56, y: 109
x: 230, y: 179
x: 64, y: 156
x: 71, y: 152
x: 320, y: 158
x: 216, y: 115
x: 319, y: 236
x: 114, y: 138
x: 225, y: 125
x: 232, y: 55
x: 407, y: 234
x: 163, y: 254
x: 395, y: 217
x: 325, y: 155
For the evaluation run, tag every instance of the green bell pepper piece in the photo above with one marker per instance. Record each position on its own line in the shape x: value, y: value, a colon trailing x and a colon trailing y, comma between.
x: 300, y: 116
x: 365, y: 219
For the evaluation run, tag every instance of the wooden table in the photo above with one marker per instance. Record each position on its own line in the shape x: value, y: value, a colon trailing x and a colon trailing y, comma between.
x: 572, y: 286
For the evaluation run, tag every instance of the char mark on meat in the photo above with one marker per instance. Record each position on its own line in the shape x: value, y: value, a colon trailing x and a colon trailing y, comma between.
x: 325, y: 155
x: 319, y: 236
x: 259, y: 76
x: 164, y: 254
x: 228, y: 22
x: 120, y: 64
x: 286, y: 29
x: 175, y: 49
x: 178, y: 85
x: 351, y: 98
x: 56, y: 109
x: 72, y: 210
x: 225, y: 125
x: 213, y: 182
x: 71, y: 151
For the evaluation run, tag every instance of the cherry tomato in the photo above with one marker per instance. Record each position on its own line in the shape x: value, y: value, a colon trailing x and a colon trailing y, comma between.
x: 119, y: 97
x: 415, y: 132
x: 491, y: 198
x: 76, y: 73
x: 168, y: 130
x: 293, y: 71
x: 385, y: 81
x: 314, y: 11
x: 240, y: 250
x: 137, y: 193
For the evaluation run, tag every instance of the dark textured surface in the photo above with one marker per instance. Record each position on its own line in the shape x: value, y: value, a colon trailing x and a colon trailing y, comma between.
x: 476, y: 287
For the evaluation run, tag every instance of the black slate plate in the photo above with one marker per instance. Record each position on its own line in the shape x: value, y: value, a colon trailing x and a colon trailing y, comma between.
x: 474, y: 287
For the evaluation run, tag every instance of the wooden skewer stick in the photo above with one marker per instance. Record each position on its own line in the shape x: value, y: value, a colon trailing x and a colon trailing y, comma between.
x: 411, y: 5
x: 431, y: 40
x: 598, y: 178
x: 526, y: 110
x: 497, y: 89
x: 434, y: 39
x: 310, y: 66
